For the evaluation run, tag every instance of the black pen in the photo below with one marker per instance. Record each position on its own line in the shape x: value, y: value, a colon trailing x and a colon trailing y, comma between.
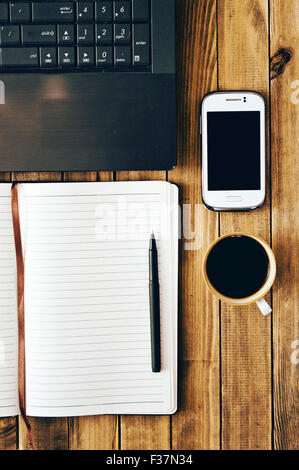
x: 154, y: 300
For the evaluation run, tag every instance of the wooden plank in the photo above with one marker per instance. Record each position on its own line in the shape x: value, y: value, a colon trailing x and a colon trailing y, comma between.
x: 105, y: 176
x: 5, y: 177
x: 8, y: 426
x: 8, y: 433
x: 196, y: 425
x: 92, y: 432
x: 245, y: 334
x: 285, y: 227
x: 141, y: 175
x: 144, y: 432
x: 37, y: 177
x: 48, y: 433
x: 80, y: 176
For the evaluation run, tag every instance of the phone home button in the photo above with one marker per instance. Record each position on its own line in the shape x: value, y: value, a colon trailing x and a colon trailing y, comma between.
x: 234, y: 198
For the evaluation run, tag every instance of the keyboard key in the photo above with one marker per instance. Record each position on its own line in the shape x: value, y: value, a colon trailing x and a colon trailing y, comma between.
x: 66, y: 57
x: 3, y: 13
x: 104, y: 33
x: 20, y: 12
x: 122, y: 33
x: 104, y: 56
x: 141, y: 10
x: 66, y: 34
x: 48, y: 57
x: 122, y: 11
x: 53, y: 11
x: 141, y: 45
x: 19, y: 56
x: 39, y: 34
x: 104, y: 11
x: 123, y: 56
x: 86, y: 56
x: 85, y: 34
x: 85, y: 11
x: 9, y: 35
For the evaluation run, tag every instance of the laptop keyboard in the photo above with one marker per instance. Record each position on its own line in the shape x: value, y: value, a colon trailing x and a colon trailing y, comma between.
x: 69, y: 36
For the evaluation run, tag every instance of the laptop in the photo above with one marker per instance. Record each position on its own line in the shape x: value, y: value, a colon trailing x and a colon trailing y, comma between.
x: 87, y: 85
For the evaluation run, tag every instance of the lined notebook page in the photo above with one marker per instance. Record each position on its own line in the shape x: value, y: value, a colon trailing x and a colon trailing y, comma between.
x: 8, y: 309
x: 88, y: 345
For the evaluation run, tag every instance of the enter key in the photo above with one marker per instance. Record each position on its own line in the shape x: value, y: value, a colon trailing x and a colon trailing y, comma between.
x: 141, y: 45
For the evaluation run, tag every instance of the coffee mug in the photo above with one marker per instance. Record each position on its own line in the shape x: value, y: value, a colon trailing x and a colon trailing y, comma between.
x: 240, y: 269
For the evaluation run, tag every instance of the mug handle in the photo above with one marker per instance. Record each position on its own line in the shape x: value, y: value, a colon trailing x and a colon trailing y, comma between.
x: 264, y: 307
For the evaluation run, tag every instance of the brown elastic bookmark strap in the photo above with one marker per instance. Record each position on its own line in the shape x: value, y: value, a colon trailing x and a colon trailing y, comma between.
x: 21, y: 324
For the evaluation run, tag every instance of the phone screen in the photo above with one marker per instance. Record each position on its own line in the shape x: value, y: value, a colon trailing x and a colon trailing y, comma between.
x: 234, y: 150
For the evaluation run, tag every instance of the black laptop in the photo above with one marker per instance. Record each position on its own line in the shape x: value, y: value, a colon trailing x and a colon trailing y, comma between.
x: 87, y: 85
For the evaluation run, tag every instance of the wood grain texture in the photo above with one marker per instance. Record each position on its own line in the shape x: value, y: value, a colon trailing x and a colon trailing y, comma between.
x: 48, y: 433
x: 8, y: 433
x: 245, y: 333
x: 197, y: 423
x: 144, y: 432
x: 140, y: 175
x: 5, y: 177
x: 105, y: 176
x: 285, y: 222
x: 92, y: 432
x: 80, y: 176
x: 35, y: 177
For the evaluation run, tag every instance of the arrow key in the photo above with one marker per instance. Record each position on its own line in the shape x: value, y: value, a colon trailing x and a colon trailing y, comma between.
x: 66, y: 56
x: 66, y: 34
x: 48, y: 57
x: 86, y: 56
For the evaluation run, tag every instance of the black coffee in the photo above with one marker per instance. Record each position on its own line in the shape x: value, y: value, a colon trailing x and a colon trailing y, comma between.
x: 237, y: 266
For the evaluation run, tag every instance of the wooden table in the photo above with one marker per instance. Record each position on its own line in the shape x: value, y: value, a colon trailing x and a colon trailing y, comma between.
x: 238, y: 378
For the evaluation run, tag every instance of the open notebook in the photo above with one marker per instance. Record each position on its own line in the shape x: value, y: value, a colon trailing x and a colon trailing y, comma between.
x: 87, y: 321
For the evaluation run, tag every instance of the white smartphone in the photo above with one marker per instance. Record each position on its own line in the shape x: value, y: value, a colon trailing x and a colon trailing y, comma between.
x: 233, y: 151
